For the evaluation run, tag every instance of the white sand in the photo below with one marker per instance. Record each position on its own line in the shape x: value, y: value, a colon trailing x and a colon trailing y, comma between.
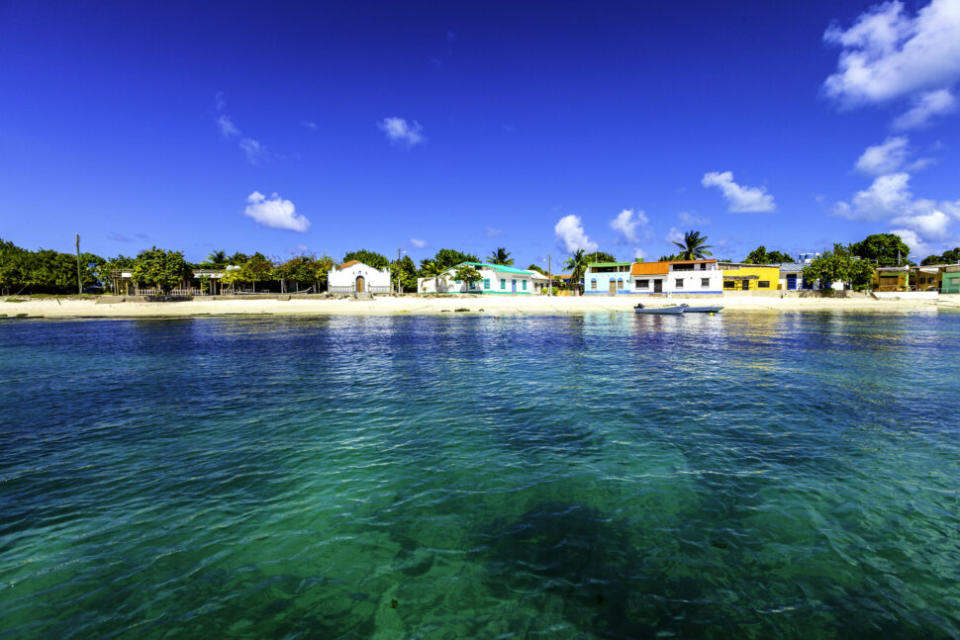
x: 495, y: 305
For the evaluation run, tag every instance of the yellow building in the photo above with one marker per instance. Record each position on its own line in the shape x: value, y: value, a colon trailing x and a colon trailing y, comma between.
x: 750, y: 277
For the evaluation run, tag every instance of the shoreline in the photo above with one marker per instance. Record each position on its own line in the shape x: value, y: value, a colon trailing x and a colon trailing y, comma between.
x: 68, y: 307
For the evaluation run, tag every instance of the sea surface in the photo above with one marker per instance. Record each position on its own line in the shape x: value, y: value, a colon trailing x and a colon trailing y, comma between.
x: 592, y: 476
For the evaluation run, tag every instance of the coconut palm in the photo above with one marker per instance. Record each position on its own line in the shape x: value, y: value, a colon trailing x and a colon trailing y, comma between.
x: 433, y: 269
x: 577, y: 263
x: 693, y: 246
x: 500, y: 256
x: 217, y: 257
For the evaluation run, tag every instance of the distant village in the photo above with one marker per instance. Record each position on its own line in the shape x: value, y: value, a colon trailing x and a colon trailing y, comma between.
x: 878, y: 264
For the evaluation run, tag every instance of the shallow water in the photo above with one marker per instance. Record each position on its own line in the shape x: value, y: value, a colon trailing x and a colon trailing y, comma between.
x: 594, y: 476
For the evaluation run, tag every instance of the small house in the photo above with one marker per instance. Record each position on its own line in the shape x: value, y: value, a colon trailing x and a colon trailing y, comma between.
x: 494, y: 279
x: 738, y: 277
x: 950, y: 280
x: 356, y: 277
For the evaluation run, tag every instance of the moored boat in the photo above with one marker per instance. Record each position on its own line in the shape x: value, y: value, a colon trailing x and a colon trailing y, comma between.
x: 689, y: 309
x: 660, y: 311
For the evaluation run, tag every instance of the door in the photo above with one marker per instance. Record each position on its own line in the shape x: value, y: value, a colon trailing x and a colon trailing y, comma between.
x: 613, y: 287
x: 361, y: 284
x: 745, y: 285
x: 791, y: 282
x: 513, y: 285
x: 658, y: 286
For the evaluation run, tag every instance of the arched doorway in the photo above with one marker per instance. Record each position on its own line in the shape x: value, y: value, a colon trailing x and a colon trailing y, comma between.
x: 361, y: 284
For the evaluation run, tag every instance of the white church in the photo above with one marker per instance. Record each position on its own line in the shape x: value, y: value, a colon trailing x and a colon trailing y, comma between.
x: 357, y: 277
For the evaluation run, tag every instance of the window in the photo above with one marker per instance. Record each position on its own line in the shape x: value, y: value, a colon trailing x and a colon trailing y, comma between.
x: 524, y: 284
x: 763, y: 284
x: 503, y: 283
x: 704, y: 283
x: 620, y: 283
x: 703, y: 266
x: 643, y: 284
x: 593, y: 283
x: 679, y: 283
x: 473, y: 285
x: 729, y: 284
x: 682, y: 267
x: 486, y: 283
x: 458, y: 281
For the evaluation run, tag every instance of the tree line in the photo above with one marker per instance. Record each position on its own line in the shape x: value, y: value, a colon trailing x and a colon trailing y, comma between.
x: 49, y: 271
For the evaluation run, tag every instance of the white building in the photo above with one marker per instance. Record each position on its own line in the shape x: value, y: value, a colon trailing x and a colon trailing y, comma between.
x: 494, y: 279
x: 680, y: 277
x: 357, y: 277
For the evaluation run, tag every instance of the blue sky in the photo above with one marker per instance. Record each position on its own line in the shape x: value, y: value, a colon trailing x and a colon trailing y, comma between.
x: 540, y: 127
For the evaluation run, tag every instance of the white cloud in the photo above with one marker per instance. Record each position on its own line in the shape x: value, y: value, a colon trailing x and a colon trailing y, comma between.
x: 934, y: 224
x: 418, y: 243
x: 739, y: 198
x: 569, y: 231
x: 888, y: 54
x: 888, y: 196
x: 627, y: 222
x: 674, y: 235
x: 639, y: 253
x: 884, y: 158
x: 253, y: 149
x: 690, y: 219
x: 398, y: 130
x: 925, y: 107
x: 917, y: 246
x: 227, y: 128
x: 492, y: 232
x: 275, y: 212
x: 310, y: 125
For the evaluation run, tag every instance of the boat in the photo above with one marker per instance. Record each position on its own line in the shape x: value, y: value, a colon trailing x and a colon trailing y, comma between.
x: 660, y: 311
x: 689, y: 309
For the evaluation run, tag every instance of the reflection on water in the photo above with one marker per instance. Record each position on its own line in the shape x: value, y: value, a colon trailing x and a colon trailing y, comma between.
x: 604, y: 475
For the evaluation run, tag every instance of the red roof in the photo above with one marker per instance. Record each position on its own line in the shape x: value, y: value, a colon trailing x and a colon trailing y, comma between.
x: 348, y: 264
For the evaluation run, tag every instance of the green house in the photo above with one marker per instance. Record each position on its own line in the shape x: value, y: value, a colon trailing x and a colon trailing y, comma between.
x: 951, y: 280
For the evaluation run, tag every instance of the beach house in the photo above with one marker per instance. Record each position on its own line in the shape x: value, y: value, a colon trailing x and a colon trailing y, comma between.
x: 356, y: 277
x: 667, y: 277
x: 950, y: 282
x: 494, y: 279
x: 739, y: 277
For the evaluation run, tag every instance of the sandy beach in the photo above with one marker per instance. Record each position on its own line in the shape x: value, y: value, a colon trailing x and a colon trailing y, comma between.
x: 69, y: 307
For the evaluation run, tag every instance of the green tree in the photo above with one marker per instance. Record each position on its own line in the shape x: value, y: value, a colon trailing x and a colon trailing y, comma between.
x: 537, y: 268
x: 839, y: 265
x: 466, y: 273
x: 447, y: 258
x: 110, y: 273
x: 217, y: 258
x: 500, y: 256
x: 577, y: 263
x: 668, y: 258
x: 257, y: 269
x: 13, y: 267
x: 404, y: 272
x: 760, y: 255
x: 371, y: 258
x: 883, y: 249
x: 432, y: 269
x: 947, y: 257
x: 162, y: 268
x: 693, y: 247
x: 238, y: 259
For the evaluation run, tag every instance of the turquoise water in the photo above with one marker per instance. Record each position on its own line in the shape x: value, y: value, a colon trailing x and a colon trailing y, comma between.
x: 595, y: 476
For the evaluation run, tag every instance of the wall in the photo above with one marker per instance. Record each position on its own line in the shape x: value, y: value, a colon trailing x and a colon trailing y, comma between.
x: 343, y: 281
x: 766, y: 274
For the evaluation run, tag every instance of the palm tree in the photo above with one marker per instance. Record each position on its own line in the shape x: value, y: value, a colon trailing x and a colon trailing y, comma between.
x: 577, y: 263
x: 433, y: 269
x: 217, y: 257
x: 693, y: 246
x: 500, y: 256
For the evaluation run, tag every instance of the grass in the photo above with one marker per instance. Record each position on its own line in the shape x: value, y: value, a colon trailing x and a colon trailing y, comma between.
x: 15, y: 300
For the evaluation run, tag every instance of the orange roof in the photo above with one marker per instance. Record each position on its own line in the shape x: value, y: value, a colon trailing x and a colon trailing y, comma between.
x: 649, y: 268
x: 348, y: 264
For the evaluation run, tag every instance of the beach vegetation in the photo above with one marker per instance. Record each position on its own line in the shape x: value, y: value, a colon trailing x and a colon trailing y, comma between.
x: 760, y: 255
x: 947, y: 257
x: 371, y: 258
x: 447, y: 258
x: 433, y: 269
x: 500, y: 256
x: 404, y: 273
x: 466, y: 273
x: 257, y: 269
x: 238, y: 259
x: 162, y: 268
x: 839, y: 265
x: 693, y: 247
x: 883, y: 250
x: 44, y: 270
x: 577, y: 264
x: 537, y: 268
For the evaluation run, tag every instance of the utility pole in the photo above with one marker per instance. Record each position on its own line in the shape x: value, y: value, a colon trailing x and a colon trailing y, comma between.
x: 399, y: 251
x: 550, y: 274
x: 79, y: 282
